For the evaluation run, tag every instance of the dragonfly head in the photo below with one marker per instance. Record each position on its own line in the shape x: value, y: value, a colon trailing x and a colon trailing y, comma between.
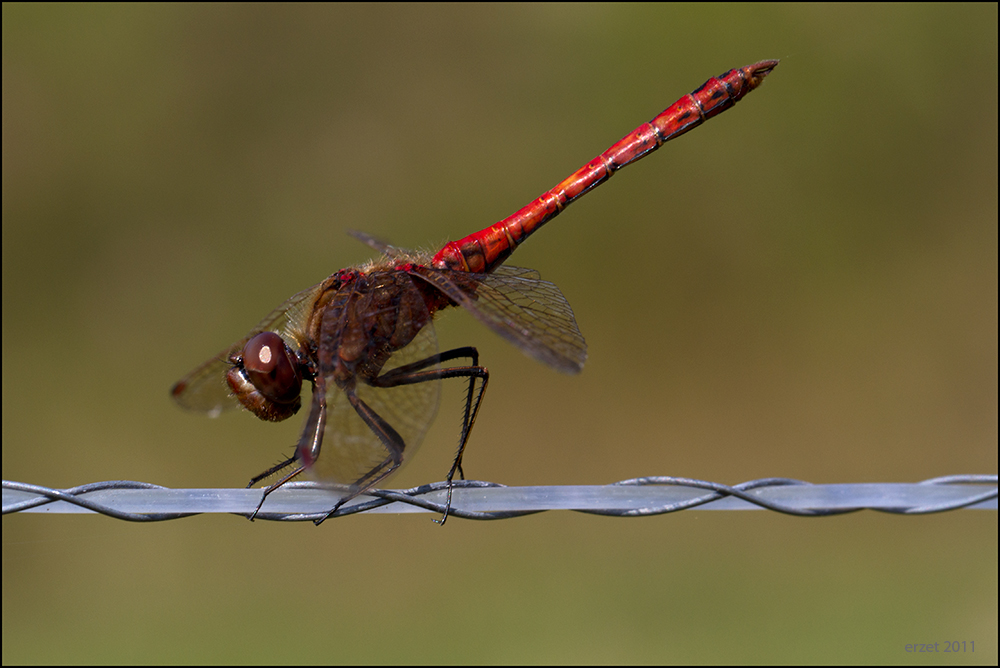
x: 266, y: 377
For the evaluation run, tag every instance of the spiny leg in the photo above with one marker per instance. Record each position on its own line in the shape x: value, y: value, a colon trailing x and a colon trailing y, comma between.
x: 390, y: 439
x: 275, y: 486
x: 312, y: 436
x: 417, y: 372
x: 271, y: 471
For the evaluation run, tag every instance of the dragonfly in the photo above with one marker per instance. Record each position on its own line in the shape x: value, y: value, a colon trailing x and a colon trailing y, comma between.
x: 364, y: 337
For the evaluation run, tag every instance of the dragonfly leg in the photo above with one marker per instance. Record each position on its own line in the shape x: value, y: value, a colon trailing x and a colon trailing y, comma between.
x: 390, y: 439
x: 417, y: 372
x: 307, y: 448
x: 276, y: 485
x: 271, y: 471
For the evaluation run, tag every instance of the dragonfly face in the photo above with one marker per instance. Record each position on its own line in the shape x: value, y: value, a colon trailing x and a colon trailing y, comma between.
x: 266, y: 377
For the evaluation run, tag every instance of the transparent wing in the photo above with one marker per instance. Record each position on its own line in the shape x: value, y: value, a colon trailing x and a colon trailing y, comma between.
x: 519, y: 306
x: 205, y: 389
x: 351, y: 452
x: 374, y: 242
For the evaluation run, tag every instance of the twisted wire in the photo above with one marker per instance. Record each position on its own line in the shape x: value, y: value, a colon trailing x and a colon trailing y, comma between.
x: 798, y: 498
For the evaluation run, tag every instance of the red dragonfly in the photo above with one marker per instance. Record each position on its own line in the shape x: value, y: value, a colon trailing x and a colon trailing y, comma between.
x: 364, y: 337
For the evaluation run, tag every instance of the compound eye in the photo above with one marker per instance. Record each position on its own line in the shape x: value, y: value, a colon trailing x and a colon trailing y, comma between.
x: 272, y: 368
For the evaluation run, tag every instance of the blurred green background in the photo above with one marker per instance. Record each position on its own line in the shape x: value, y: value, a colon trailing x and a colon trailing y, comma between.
x: 804, y: 287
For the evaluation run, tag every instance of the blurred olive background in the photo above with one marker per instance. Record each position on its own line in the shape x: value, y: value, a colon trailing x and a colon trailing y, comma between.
x: 804, y: 287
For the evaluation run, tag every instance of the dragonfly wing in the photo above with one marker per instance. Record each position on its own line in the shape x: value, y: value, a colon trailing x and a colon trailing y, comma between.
x: 352, y: 454
x: 205, y: 389
x: 381, y: 246
x: 519, y: 306
x: 371, y: 241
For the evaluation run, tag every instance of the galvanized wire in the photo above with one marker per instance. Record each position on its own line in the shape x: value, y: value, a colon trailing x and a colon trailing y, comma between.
x: 638, y: 497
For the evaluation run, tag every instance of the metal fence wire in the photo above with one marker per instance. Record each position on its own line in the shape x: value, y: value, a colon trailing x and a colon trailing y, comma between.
x: 475, y: 500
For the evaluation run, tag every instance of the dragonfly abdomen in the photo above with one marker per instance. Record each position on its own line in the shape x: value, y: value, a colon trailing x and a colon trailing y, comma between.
x: 484, y: 251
